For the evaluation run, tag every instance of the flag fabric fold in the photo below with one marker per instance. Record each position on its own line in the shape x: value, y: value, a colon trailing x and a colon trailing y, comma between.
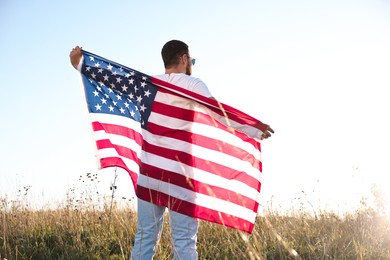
x: 187, y: 152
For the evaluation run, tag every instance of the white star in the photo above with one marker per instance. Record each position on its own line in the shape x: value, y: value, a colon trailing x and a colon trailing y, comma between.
x: 124, y: 88
x: 118, y: 97
x: 122, y: 110
x: 120, y: 69
x: 135, y: 88
x: 143, y: 78
x: 110, y: 90
x: 111, y: 108
x: 98, y: 107
x: 143, y: 84
x: 147, y: 93
x: 131, y: 81
x: 114, y: 73
x: 112, y: 85
x: 131, y: 96
x: 100, y: 70
x: 105, y: 77
x: 97, y: 64
x: 109, y: 67
x: 96, y: 94
x: 115, y: 103
x: 88, y: 69
x: 99, y: 88
x: 118, y: 80
x: 142, y: 108
x: 93, y: 75
x: 139, y: 99
x: 91, y: 58
x: 132, y: 113
x: 106, y: 95
x: 101, y: 83
x: 127, y: 75
x: 104, y: 101
x: 127, y: 105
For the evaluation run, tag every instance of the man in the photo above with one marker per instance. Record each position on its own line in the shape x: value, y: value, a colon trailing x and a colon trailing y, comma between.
x: 178, y: 69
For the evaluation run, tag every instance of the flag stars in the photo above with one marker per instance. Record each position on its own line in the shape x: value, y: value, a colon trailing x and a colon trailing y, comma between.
x: 109, y: 67
x: 131, y: 81
x: 143, y: 84
x: 147, y: 93
x: 91, y: 58
x: 98, y: 107
x: 118, y: 97
x: 93, y: 75
x: 97, y: 64
x: 104, y: 101
x: 100, y: 70
x: 95, y: 93
x: 142, y: 108
x: 106, y: 77
x: 122, y: 110
x: 139, y: 99
x: 124, y: 88
x: 111, y: 108
x: 118, y: 80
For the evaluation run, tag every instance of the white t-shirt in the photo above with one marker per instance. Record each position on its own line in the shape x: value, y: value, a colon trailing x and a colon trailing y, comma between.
x: 187, y: 82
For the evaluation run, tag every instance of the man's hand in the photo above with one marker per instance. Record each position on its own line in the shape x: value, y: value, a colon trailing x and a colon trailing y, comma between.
x: 75, y: 56
x: 267, y: 133
x: 266, y: 129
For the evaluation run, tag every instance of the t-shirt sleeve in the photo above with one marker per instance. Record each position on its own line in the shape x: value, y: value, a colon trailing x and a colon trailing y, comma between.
x: 198, y: 86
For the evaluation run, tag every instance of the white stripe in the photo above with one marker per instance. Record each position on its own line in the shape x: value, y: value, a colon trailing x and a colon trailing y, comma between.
x: 116, y: 120
x: 111, y: 152
x: 185, y: 103
x: 203, y: 153
x: 197, y: 198
x: 119, y: 140
x: 205, y: 130
x: 200, y: 175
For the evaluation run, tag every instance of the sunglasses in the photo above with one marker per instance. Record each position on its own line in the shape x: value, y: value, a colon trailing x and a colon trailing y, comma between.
x: 193, y: 61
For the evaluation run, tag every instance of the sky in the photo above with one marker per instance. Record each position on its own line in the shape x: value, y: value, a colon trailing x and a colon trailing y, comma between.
x: 316, y: 71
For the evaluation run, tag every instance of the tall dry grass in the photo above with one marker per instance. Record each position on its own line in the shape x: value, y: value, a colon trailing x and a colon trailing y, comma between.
x: 78, y: 229
x: 74, y: 233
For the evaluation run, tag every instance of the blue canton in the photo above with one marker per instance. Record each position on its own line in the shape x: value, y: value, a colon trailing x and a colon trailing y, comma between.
x: 115, y: 89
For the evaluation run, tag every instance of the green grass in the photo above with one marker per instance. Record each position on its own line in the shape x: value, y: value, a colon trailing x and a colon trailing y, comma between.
x: 71, y: 232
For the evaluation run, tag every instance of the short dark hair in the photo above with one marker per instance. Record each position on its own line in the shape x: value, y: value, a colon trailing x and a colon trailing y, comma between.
x: 172, y: 51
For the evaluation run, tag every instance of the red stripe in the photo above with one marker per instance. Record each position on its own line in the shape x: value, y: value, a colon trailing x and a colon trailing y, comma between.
x: 193, y: 116
x: 192, y: 210
x: 206, y: 142
x: 199, y: 187
x: 213, y: 104
x: 118, y: 130
x: 116, y: 161
x: 201, y: 164
x: 121, y: 150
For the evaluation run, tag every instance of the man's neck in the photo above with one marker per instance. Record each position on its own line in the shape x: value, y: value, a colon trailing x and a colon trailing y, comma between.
x: 177, y: 69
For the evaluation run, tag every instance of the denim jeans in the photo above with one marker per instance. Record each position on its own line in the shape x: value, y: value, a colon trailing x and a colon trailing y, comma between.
x: 150, y: 223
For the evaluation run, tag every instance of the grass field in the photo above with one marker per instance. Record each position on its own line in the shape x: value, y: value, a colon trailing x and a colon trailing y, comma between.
x: 76, y: 230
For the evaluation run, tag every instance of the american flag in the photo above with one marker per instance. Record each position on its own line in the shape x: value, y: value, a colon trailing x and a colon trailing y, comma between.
x: 182, y: 150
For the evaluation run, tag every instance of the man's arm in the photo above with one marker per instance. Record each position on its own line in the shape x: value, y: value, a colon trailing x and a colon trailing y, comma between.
x: 75, y: 56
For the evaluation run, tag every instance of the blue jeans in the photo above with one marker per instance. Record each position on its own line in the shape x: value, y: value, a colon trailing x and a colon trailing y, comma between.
x: 150, y: 222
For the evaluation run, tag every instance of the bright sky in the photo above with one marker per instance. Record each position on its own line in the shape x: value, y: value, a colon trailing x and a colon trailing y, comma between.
x: 316, y: 71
